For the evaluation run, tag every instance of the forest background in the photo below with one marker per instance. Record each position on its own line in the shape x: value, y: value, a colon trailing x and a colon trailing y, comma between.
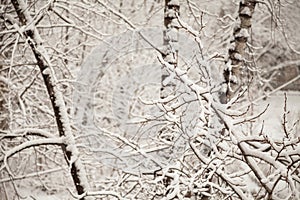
x: 132, y: 99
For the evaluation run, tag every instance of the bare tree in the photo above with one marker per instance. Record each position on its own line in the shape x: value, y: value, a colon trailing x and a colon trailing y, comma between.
x: 69, y: 148
x: 143, y: 118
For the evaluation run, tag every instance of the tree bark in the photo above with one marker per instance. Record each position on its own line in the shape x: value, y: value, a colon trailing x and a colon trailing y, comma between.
x: 236, y: 71
x: 4, y: 112
x: 69, y: 148
x: 170, y: 52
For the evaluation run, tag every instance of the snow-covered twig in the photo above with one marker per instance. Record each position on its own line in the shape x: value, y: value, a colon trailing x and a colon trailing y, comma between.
x: 26, y: 145
x: 32, y: 174
x: 130, y: 144
x: 24, y: 132
x: 219, y: 172
x: 269, y: 93
x: 250, y: 155
x: 97, y: 193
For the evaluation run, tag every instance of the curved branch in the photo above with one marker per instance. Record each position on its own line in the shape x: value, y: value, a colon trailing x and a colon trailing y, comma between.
x: 28, y: 144
x: 25, y: 132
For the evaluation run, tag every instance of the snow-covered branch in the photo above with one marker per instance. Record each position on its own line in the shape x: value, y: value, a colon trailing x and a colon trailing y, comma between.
x: 33, y: 143
x: 36, y: 44
x: 25, y: 132
x: 252, y: 157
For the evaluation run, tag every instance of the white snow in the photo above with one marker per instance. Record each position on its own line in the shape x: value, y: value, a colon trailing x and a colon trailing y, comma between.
x: 133, y: 148
x: 246, y: 11
x: 243, y: 33
x: 273, y: 116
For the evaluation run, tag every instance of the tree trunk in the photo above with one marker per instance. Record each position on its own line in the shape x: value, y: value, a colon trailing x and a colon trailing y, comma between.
x: 236, y: 71
x: 4, y: 112
x: 170, y: 55
x: 170, y: 52
x: 69, y: 148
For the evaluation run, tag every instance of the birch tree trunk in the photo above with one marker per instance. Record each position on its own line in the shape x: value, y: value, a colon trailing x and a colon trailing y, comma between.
x: 236, y: 72
x: 170, y: 44
x: 69, y: 148
x: 170, y: 55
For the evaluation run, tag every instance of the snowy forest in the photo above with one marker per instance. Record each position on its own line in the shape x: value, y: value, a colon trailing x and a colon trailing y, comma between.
x: 149, y: 99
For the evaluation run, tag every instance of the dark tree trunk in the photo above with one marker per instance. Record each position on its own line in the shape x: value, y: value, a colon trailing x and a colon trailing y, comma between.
x: 55, y: 96
x: 170, y: 52
x: 236, y: 72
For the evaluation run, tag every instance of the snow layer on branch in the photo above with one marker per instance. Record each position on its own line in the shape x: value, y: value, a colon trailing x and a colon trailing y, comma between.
x: 184, y: 77
x: 237, y: 24
x: 29, y: 144
x: 47, y: 71
x: 246, y: 11
x: 69, y: 138
x: 41, y: 53
x: 243, y: 33
x: 238, y: 56
x: 174, y: 3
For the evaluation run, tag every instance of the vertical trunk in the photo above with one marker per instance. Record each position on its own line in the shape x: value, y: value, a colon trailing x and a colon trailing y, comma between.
x: 4, y: 112
x: 3, y: 85
x: 170, y: 44
x: 236, y: 72
x: 69, y: 148
x: 170, y: 55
